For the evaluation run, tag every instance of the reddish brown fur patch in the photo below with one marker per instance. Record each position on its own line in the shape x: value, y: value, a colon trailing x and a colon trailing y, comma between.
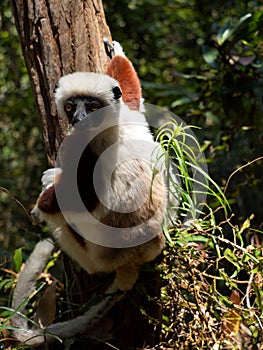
x: 77, y: 237
x: 121, y: 69
x: 48, y: 201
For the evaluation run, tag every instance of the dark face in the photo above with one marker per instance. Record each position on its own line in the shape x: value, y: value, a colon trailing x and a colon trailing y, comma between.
x: 79, y: 108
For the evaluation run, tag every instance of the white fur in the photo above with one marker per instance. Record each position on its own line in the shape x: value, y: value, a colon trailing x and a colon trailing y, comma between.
x: 132, y: 129
x: 118, y: 50
x: 84, y: 84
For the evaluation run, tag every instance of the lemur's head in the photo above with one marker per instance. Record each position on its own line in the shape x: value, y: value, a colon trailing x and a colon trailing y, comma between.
x: 79, y: 94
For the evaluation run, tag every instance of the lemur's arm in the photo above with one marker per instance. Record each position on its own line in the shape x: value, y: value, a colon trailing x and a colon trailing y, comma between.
x: 122, y: 70
x: 47, y: 201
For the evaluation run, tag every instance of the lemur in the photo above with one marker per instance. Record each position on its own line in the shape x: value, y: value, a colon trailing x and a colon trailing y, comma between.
x: 80, y: 96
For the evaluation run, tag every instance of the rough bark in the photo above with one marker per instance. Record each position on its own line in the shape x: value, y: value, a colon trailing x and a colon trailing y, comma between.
x: 57, y: 38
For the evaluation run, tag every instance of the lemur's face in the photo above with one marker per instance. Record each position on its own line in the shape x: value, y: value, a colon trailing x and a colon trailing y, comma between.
x: 79, y: 108
x: 79, y: 94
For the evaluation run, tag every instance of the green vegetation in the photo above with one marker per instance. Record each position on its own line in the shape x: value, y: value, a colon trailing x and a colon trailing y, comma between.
x: 202, y: 60
x: 22, y: 153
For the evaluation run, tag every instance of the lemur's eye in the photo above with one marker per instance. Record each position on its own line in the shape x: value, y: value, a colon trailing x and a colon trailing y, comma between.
x: 68, y: 106
x: 94, y: 105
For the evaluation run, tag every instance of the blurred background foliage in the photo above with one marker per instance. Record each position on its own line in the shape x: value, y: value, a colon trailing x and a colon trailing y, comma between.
x: 201, y: 59
x: 204, y: 61
x: 22, y: 156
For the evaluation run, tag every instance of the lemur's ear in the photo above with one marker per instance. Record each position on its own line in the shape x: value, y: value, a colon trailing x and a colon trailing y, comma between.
x: 55, y: 88
x: 117, y: 92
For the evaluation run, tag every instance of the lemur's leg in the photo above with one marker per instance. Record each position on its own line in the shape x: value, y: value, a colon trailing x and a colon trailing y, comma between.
x: 82, y: 324
x: 25, y: 286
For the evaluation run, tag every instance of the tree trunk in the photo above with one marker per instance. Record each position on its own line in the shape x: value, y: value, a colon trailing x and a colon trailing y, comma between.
x: 57, y: 38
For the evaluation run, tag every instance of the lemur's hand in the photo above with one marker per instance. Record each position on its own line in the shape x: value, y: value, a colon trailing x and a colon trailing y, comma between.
x: 48, y: 179
x: 109, y: 48
x: 118, y: 50
x: 113, y: 49
x: 49, y: 176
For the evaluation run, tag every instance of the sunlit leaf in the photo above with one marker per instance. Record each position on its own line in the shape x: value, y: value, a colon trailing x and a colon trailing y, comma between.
x: 228, y: 30
x: 232, y: 319
x: 246, y: 224
x: 181, y: 101
x: 18, y: 259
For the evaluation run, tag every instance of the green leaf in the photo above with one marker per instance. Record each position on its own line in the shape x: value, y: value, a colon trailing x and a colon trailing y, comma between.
x: 233, y: 259
x: 181, y: 101
x: 6, y: 283
x: 210, y: 55
x: 230, y: 256
x: 227, y: 30
x: 18, y: 259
